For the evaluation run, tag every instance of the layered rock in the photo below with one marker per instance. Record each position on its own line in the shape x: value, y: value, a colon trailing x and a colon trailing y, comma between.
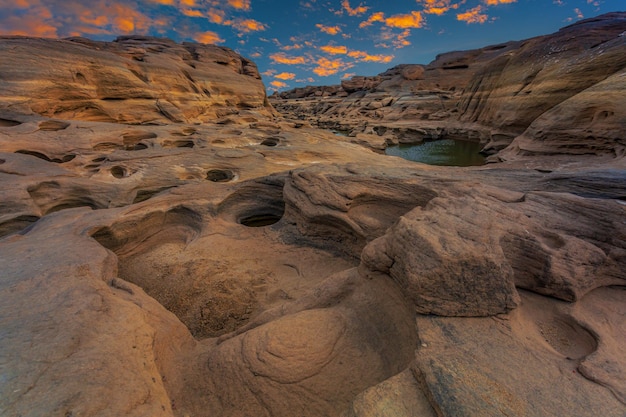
x: 134, y: 80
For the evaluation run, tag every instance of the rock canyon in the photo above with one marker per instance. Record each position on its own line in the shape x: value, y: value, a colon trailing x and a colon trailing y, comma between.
x: 175, y: 243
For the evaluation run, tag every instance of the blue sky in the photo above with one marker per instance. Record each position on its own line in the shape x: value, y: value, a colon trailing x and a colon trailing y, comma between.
x: 307, y: 42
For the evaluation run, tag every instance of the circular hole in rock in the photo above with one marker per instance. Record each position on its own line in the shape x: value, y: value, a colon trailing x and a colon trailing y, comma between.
x: 119, y: 172
x: 220, y: 175
x: 270, y: 141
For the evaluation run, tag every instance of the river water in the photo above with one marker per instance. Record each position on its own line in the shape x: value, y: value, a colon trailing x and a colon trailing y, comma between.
x: 447, y: 152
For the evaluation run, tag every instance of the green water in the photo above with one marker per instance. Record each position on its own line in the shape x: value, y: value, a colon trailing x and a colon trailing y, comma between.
x: 448, y: 152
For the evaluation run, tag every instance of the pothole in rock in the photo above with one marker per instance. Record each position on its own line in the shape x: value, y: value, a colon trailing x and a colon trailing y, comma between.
x: 568, y: 337
x: 273, y: 141
x: 9, y: 122
x: 188, y: 143
x: 255, y: 204
x: 17, y: 224
x: 65, y: 158
x: 53, y: 125
x: 119, y: 172
x: 220, y: 175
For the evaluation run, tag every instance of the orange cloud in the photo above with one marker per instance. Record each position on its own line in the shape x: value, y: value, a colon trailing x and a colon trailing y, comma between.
x: 400, y: 40
x: 240, y: 4
x: 281, y: 58
x: 247, y: 25
x: 285, y: 76
x: 376, y: 17
x: 366, y: 57
x: 216, y: 16
x: 192, y: 13
x: 208, y: 37
x: 278, y: 84
x: 473, y: 16
x: 496, y: 2
x: 330, y: 30
x: 334, y: 50
x: 438, y: 7
x: 353, y: 12
x: 326, y: 67
x: 403, y: 21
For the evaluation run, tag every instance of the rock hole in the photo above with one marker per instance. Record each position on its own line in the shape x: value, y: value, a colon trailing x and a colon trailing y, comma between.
x: 261, y: 220
x: 143, y: 195
x: 100, y: 159
x: 17, y: 224
x: 568, y: 337
x: 2, y: 161
x: 35, y: 154
x: 9, y: 123
x: 220, y: 175
x: 107, y: 146
x: 119, y: 171
x: 273, y: 141
x: 53, y: 125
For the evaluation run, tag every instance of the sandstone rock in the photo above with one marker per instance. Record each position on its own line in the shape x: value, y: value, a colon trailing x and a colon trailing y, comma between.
x: 252, y: 265
x: 132, y: 80
x: 358, y: 83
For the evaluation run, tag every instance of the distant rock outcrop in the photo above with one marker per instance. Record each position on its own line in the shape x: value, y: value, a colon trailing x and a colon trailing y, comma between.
x: 134, y: 80
x: 494, y: 94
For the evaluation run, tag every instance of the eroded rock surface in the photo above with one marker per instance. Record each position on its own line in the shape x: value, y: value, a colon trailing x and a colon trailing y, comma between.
x: 250, y: 265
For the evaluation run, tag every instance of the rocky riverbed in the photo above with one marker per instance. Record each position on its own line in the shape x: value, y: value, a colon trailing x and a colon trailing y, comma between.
x: 173, y: 243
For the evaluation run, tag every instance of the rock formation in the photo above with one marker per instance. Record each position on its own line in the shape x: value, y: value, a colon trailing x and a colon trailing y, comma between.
x: 211, y: 257
x: 531, y: 91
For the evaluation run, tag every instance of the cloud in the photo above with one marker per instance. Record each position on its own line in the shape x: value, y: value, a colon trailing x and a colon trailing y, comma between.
x: 240, y: 4
x: 326, y: 67
x: 359, y: 10
x: 348, y: 75
x: 246, y: 25
x: 474, y: 15
x: 366, y: 57
x: 285, y: 76
x: 438, y: 7
x: 376, y: 17
x: 334, y: 50
x: 216, y: 16
x: 208, y: 37
x: 281, y: 58
x: 403, y: 21
x: 496, y: 2
x: 278, y: 84
x: 400, y: 41
x: 330, y: 30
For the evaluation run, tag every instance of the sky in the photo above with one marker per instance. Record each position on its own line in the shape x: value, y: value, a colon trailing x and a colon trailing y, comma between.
x: 307, y: 42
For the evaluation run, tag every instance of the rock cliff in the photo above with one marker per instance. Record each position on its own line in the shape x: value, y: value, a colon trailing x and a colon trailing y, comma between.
x: 211, y: 257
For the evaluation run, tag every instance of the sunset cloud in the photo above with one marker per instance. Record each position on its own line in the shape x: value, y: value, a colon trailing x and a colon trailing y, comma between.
x: 376, y: 17
x: 496, y: 2
x: 438, y: 7
x: 208, y: 37
x: 281, y: 58
x: 278, y: 84
x: 330, y: 30
x: 285, y: 76
x: 359, y: 10
x: 246, y: 25
x: 403, y: 21
x: 366, y: 57
x: 334, y: 49
x: 474, y: 15
x: 326, y: 67
x: 240, y: 4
